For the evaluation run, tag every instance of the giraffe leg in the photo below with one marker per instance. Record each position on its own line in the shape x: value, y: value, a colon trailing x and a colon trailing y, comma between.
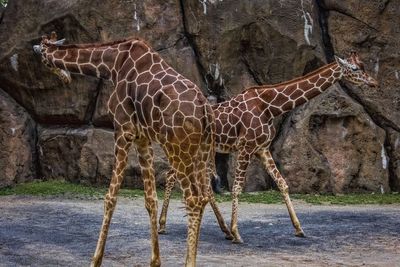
x: 242, y: 162
x: 171, y: 180
x: 195, y: 208
x: 269, y: 164
x: 123, y: 143
x: 220, y: 219
x: 145, y: 153
x: 195, y: 183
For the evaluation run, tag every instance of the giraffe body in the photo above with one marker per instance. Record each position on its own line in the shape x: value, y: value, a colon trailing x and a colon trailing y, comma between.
x: 244, y: 124
x: 151, y: 103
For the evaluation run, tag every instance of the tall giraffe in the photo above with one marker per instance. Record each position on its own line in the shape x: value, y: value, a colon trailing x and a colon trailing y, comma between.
x: 151, y: 103
x: 244, y: 124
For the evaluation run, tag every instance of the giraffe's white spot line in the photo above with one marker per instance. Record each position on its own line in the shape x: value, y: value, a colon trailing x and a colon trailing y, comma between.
x: 12, y: 131
x: 14, y: 62
x: 396, y: 74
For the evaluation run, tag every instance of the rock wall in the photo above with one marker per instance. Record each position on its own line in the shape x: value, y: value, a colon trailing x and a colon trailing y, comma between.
x: 345, y: 140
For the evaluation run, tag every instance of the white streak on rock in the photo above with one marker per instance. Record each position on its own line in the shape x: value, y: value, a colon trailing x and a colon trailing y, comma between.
x: 308, y: 24
x: 14, y: 62
x: 396, y: 74
x: 216, y: 73
x: 376, y: 67
x: 344, y: 132
x: 204, y: 3
x: 384, y: 157
x: 12, y: 131
x: 136, y: 19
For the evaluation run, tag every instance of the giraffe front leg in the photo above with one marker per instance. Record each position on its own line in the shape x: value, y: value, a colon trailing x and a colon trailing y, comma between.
x: 171, y: 179
x: 145, y: 153
x: 110, y: 200
x: 269, y: 164
x: 242, y: 162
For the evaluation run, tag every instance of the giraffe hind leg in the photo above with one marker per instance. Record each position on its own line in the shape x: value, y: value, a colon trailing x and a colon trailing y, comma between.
x: 171, y: 180
x: 145, y: 153
x: 242, y: 162
x: 269, y: 164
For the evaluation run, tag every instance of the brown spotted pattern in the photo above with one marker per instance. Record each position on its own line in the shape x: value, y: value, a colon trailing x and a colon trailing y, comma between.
x: 244, y: 124
x: 151, y: 103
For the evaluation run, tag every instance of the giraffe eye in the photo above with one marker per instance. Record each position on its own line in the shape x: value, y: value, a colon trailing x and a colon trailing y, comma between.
x: 354, y: 68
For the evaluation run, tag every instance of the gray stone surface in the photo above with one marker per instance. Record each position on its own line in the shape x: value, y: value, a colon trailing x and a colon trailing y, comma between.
x: 17, y: 143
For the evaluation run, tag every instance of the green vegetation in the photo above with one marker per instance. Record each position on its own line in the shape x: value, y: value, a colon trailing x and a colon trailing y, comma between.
x: 3, y: 2
x: 65, y: 189
x: 350, y: 199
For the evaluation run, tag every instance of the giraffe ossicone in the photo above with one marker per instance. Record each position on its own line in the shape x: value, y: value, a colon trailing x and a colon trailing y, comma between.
x: 244, y: 124
x: 151, y: 102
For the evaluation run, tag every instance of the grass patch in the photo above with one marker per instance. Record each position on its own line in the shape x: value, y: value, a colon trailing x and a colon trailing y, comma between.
x: 350, y: 199
x: 52, y: 188
x: 61, y: 188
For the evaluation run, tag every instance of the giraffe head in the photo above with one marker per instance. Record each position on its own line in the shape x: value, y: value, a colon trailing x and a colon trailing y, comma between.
x: 354, y: 72
x: 42, y: 49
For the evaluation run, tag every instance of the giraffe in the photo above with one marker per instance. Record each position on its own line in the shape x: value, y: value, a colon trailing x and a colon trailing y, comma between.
x: 244, y: 124
x: 151, y: 102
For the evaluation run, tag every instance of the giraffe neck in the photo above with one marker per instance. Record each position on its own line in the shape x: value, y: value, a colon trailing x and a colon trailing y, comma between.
x: 286, y: 96
x: 102, y: 61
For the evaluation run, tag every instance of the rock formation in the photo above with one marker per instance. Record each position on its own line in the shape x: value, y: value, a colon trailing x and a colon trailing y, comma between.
x: 345, y: 140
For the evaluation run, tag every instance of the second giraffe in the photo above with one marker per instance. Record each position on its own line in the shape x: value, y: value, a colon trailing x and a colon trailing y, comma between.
x: 244, y: 124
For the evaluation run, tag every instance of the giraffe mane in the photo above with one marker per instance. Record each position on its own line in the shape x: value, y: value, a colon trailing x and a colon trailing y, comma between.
x: 98, y: 44
x: 308, y: 75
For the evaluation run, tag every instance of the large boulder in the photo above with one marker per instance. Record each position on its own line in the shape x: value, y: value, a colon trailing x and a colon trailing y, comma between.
x: 86, y: 156
x: 17, y: 143
x: 332, y: 145
x: 250, y: 42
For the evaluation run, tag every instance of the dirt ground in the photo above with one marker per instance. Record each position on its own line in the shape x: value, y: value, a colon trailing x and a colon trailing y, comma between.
x: 63, y: 232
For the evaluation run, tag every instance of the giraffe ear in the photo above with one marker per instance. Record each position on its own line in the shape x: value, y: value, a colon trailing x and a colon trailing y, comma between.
x: 53, y: 36
x: 340, y: 61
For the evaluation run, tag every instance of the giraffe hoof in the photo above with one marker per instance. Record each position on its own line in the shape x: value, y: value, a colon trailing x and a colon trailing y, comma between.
x: 237, y: 241
x: 300, y: 234
x: 162, y: 231
x: 155, y: 263
x: 229, y: 236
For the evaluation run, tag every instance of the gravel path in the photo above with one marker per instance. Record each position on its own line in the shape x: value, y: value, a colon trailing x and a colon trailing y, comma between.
x: 63, y: 232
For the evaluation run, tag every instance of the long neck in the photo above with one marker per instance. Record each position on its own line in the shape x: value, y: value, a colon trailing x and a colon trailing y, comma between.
x: 112, y: 62
x: 85, y: 61
x: 286, y: 96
